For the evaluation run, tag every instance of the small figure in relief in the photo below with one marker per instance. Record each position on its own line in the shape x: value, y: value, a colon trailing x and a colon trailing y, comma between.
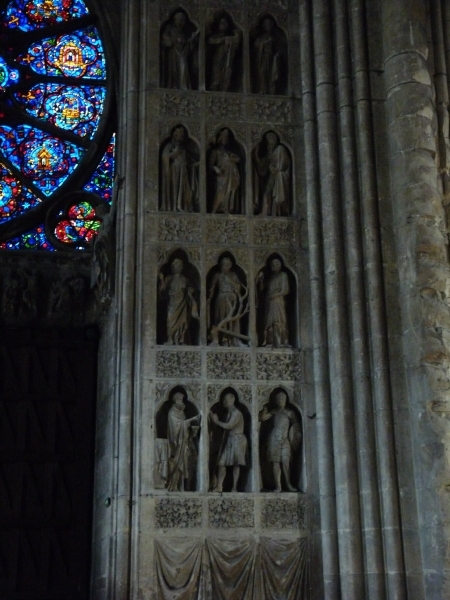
x: 276, y: 333
x: 272, y: 178
x: 233, y: 448
x: 178, y: 53
x: 181, y: 434
x: 181, y: 305
x: 230, y: 306
x: 284, y: 440
x: 179, y: 173
x: 269, y: 59
x: 225, y: 45
x: 227, y: 179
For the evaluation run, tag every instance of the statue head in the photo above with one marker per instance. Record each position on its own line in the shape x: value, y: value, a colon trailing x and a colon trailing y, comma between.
x: 229, y: 400
x: 178, y: 400
x: 268, y: 25
x: 281, y: 399
x: 179, y: 19
x: 226, y: 264
x: 178, y: 134
x: 177, y: 265
x: 223, y: 25
x: 223, y: 136
x: 271, y: 141
x: 275, y: 265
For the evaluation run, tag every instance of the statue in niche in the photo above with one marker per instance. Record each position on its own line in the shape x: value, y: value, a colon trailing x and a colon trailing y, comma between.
x: 223, y: 56
x: 274, y: 290
x: 177, y: 453
x: 179, y: 173
x: 283, y: 440
x: 233, y: 446
x: 227, y: 305
x: 269, y: 58
x: 20, y: 296
x: 224, y: 159
x: 272, y: 177
x: 182, y: 306
x: 179, y: 50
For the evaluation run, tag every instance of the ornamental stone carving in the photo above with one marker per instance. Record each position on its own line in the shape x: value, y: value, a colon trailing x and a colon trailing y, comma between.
x: 223, y: 107
x: 176, y: 229
x: 179, y: 53
x: 272, y: 177
x: 20, y: 296
x: 272, y: 111
x: 283, y: 514
x: 268, y: 66
x: 180, y: 105
x: 275, y: 232
x: 178, y: 364
x: 278, y: 367
x: 226, y: 231
x: 223, y: 54
x: 226, y: 174
x: 228, y: 365
x: 178, y: 513
x: 231, y: 513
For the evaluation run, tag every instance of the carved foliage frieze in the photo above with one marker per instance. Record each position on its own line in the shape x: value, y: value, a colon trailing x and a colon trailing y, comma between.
x: 272, y: 111
x: 224, y: 107
x: 281, y: 367
x: 229, y: 513
x: 228, y: 365
x: 226, y: 231
x: 178, y: 364
x: 181, y: 513
x: 176, y: 229
x: 180, y: 105
x: 283, y: 514
x: 274, y: 233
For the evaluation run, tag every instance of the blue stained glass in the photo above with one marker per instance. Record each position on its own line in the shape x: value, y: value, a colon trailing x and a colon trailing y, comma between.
x: 14, y: 197
x: 101, y: 182
x: 78, y: 54
x: 32, y: 240
x: 27, y: 15
x: 8, y: 76
x: 70, y: 107
x: 46, y: 160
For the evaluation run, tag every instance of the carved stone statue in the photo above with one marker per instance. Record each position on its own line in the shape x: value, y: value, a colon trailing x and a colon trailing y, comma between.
x: 223, y: 164
x: 224, y: 44
x: 179, y: 173
x: 182, y: 451
x: 272, y: 177
x: 181, y: 303
x: 275, y: 328
x: 283, y: 440
x: 229, y: 297
x: 269, y: 59
x: 233, y: 448
x: 179, y: 53
x: 20, y: 296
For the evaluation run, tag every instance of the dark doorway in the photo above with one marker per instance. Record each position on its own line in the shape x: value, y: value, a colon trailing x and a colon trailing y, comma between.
x: 47, y: 418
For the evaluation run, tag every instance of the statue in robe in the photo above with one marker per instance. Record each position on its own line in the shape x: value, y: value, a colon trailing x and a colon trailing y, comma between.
x: 182, y: 450
x: 227, y: 179
x: 275, y: 328
x: 268, y: 59
x: 181, y: 304
x: 224, y: 45
x: 178, y: 53
x: 179, y: 173
x: 272, y: 177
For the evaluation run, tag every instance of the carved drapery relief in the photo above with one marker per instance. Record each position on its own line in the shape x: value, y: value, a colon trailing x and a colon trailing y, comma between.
x: 268, y: 51
x: 280, y: 439
x: 226, y: 174
x: 179, y: 164
x: 229, y: 422
x: 177, y: 426
x: 179, y: 53
x: 178, y: 308
x: 272, y: 177
x: 276, y: 305
x: 223, y: 54
x: 227, y: 304
x: 232, y: 568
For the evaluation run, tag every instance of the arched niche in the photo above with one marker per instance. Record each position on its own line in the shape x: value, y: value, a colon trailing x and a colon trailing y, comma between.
x: 178, y: 301
x: 276, y: 318
x: 227, y: 303
x: 223, y: 54
x: 221, y: 445
x: 178, y: 172
x: 280, y: 443
x: 177, y: 424
x: 272, y: 177
x: 179, y: 52
x: 268, y: 57
x: 225, y: 174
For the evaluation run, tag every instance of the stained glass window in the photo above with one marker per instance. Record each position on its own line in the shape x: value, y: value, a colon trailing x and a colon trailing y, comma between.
x: 56, y: 138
